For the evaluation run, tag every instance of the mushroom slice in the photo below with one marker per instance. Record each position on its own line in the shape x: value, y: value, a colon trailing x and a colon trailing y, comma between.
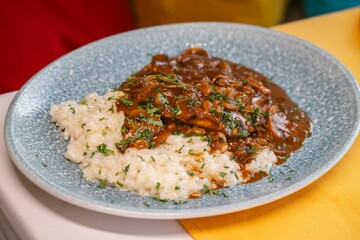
x: 278, y: 123
x: 259, y: 86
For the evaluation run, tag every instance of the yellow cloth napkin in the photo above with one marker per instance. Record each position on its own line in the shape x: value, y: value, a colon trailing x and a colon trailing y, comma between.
x: 329, y: 208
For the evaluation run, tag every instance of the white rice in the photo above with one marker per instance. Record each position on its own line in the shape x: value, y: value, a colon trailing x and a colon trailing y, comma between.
x: 174, y: 170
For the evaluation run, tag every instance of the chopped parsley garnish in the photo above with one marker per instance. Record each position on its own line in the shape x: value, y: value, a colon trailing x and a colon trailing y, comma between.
x: 296, y: 108
x: 111, y: 109
x: 151, y: 120
x: 141, y: 158
x: 255, y: 114
x: 236, y: 176
x: 124, y: 129
x: 295, y: 118
x: 222, y: 174
x: 176, y: 111
x: 102, y: 148
x: 163, y: 99
x: 102, y: 184
x: 239, y: 104
x: 122, y: 144
x: 152, y: 145
x: 119, y: 184
x: 159, y: 199
x: 207, y: 190
x: 126, y: 169
x: 131, y: 122
x: 212, y: 110
x: 218, y: 96
x: 126, y: 102
x: 192, y: 135
x: 180, y: 149
x: 270, y: 177
x: 191, y: 152
x: 265, y: 114
x: 229, y: 120
x: 72, y: 109
x: 194, y: 102
x: 207, y: 138
x: 111, y: 98
x: 253, y: 150
x: 150, y: 109
x: 157, y: 187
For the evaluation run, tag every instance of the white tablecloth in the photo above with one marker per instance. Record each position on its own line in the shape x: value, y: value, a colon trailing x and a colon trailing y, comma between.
x: 27, y: 212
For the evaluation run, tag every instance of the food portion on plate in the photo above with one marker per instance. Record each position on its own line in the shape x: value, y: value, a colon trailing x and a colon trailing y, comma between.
x: 182, y: 127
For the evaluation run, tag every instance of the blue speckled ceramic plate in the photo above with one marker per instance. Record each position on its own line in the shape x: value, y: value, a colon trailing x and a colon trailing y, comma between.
x: 313, y: 78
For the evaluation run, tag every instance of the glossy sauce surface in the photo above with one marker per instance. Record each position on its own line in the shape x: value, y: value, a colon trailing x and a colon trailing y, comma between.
x: 234, y: 108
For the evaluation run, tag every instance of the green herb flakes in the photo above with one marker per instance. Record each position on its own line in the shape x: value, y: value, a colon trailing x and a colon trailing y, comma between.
x: 163, y: 99
x: 176, y: 111
x: 102, y: 148
x: 236, y: 176
x: 141, y: 158
x: 191, y: 152
x: 126, y: 169
x: 102, y: 184
x: 72, y: 109
x: 222, y: 174
x: 179, y: 151
x: 218, y: 96
x: 126, y: 102
x: 157, y: 187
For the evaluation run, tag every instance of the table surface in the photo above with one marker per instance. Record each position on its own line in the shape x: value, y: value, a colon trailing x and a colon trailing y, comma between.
x: 27, y: 212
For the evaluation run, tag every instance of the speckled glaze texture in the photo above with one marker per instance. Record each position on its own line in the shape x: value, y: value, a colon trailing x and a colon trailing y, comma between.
x: 312, y: 78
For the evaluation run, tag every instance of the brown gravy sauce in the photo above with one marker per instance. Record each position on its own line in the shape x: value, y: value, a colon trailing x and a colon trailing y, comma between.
x: 232, y: 107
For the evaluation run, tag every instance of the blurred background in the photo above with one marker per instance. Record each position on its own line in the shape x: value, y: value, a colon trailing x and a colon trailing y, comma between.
x: 36, y: 32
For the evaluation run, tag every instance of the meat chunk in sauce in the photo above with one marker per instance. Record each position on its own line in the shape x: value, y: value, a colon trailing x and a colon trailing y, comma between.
x: 231, y: 106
